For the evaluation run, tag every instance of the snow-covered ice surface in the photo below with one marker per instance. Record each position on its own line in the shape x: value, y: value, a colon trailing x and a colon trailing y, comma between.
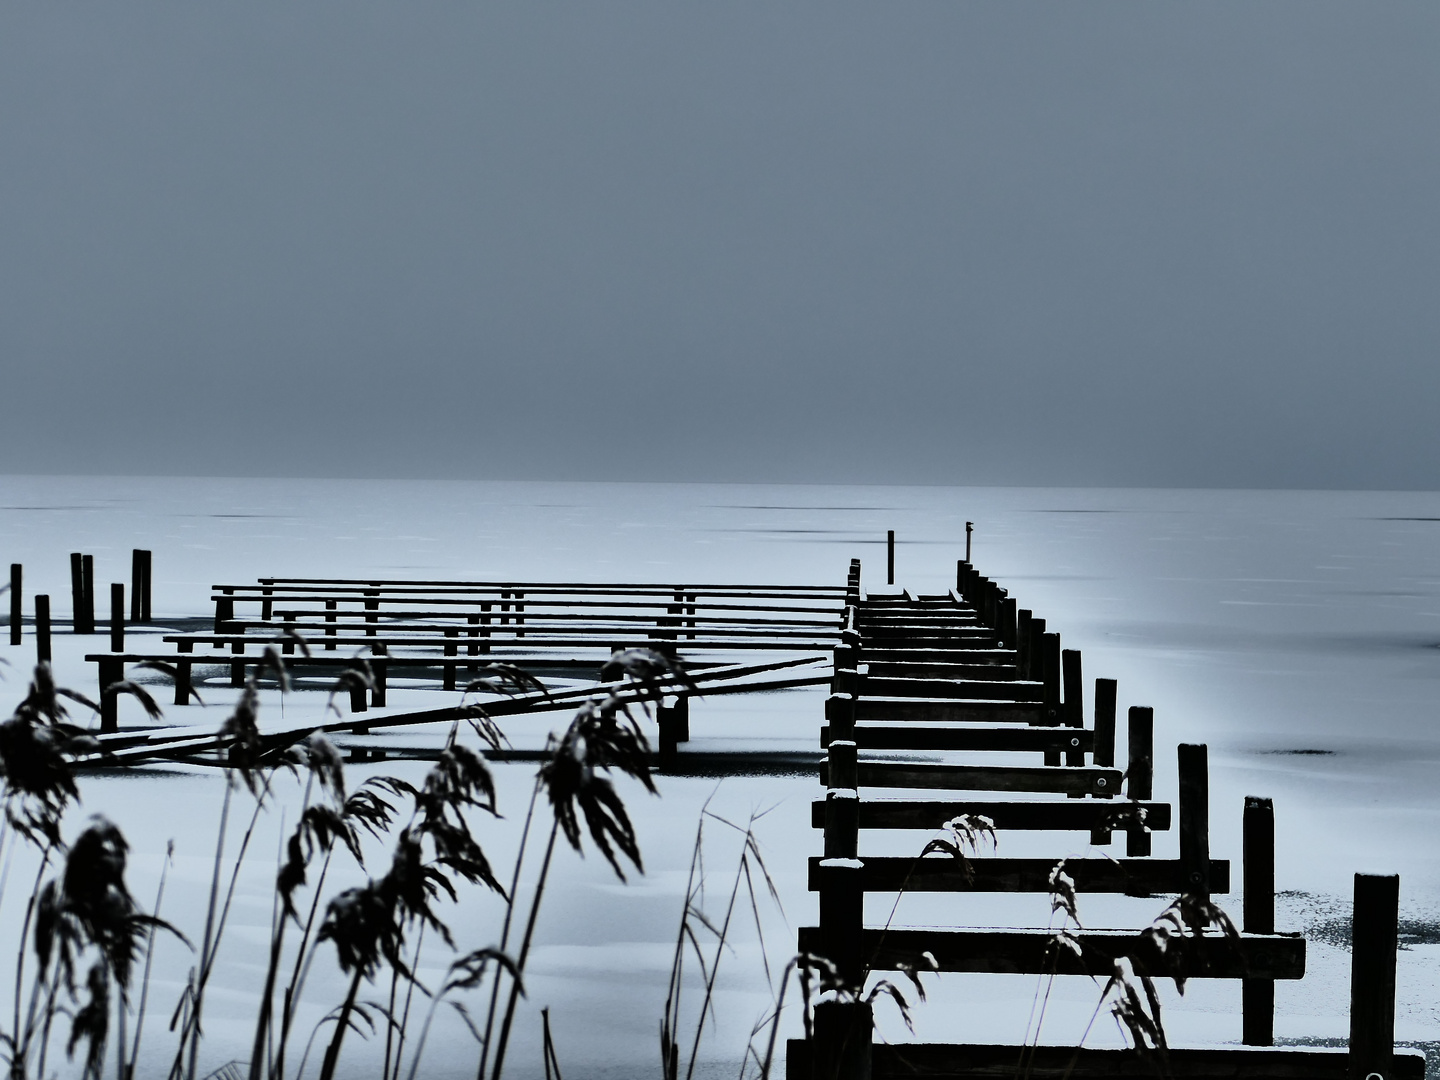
x: 1297, y: 633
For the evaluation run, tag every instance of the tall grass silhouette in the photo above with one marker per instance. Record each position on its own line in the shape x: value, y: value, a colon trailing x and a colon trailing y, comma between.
x: 83, y: 936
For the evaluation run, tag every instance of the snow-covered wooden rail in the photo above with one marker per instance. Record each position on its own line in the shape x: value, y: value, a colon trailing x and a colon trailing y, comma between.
x: 967, y: 674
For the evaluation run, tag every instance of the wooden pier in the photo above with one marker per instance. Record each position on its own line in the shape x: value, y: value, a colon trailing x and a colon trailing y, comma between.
x: 967, y: 674
x: 735, y: 639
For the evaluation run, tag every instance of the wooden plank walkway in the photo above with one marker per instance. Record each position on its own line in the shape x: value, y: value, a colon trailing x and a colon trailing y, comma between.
x: 926, y: 685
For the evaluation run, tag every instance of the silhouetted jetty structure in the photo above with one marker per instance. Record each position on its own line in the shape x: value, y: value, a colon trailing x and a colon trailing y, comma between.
x: 735, y: 638
x: 924, y: 688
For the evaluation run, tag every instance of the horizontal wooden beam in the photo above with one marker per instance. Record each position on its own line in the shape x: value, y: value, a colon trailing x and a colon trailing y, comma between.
x: 991, y: 689
x: 436, y: 619
x: 936, y: 655
x: 1029, y: 816
x: 1137, y: 877
x: 932, y: 737
x: 598, y: 588
x: 1054, y: 779
x: 1033, y: 952
x: 952, y: 710
x: 944, y: 1061
x: 994, y: 670
x: 506, y: 637
x: 940, y: 622
x: 443, y: 604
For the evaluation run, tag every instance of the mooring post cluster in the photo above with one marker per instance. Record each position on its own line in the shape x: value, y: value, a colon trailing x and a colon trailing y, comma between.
x: 82, y: 618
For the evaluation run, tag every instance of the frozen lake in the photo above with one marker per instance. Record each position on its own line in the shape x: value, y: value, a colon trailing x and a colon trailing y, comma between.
x: 1297, y: 633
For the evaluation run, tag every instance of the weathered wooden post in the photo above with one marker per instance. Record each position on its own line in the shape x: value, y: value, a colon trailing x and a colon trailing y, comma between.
x: 42, y: 629
x: 112, y: 670
x: 840, y: 716
x: 137, y: 583
x: 87, y: 576
x: 520, y: 614
x: 1106, y: 692
x: 147, y: 566
x: 330, y: 631
x: 183, y: 682
x: 1258, y: 995
x: 1050, y: 677
x: 1103, y: 753
x: 1194, y: 772
x: 842, y: 823
x: 843, y: 1030
x: 1074, y: 708
x: 77, y: 594
x: 670, y: 619
x: 1141, y: 783
x: 1374, y: 941
x: 845, y: 681
x: 1006, y: 631
x: 379, y: 670
x: 843, y: 769
x: 841, y: 913
x: 371, y: 605
x: 117, y: 617
x: 357, y: 694
x: 690, y: 611
x: 224, y: 609
x: 1022, y: 643
x: 890, y: 557
x: 674, y: 723
x: 844, y: 1034
x: 969, y: 529
x: 17, y: 610
x: 1036, y: 651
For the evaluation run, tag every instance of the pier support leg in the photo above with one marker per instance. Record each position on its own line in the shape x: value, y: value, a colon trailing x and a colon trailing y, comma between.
x: 1194, y: 771
x: 42, y: 629
x: 77, y: 594
x: 1104, y: 753
x: 379, y: 668
x: 182, y: 682
x: 117, y: 617
x: 1258, y: 995
x: 1372, y: 976
x: 111, y: 671
x: 674, y: 722
x: 17, y: 609
x: 1141, y: 783
x: 844, y: 1032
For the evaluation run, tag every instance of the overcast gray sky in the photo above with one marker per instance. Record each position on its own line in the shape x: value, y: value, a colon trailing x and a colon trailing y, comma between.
x: 1095, y: 243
